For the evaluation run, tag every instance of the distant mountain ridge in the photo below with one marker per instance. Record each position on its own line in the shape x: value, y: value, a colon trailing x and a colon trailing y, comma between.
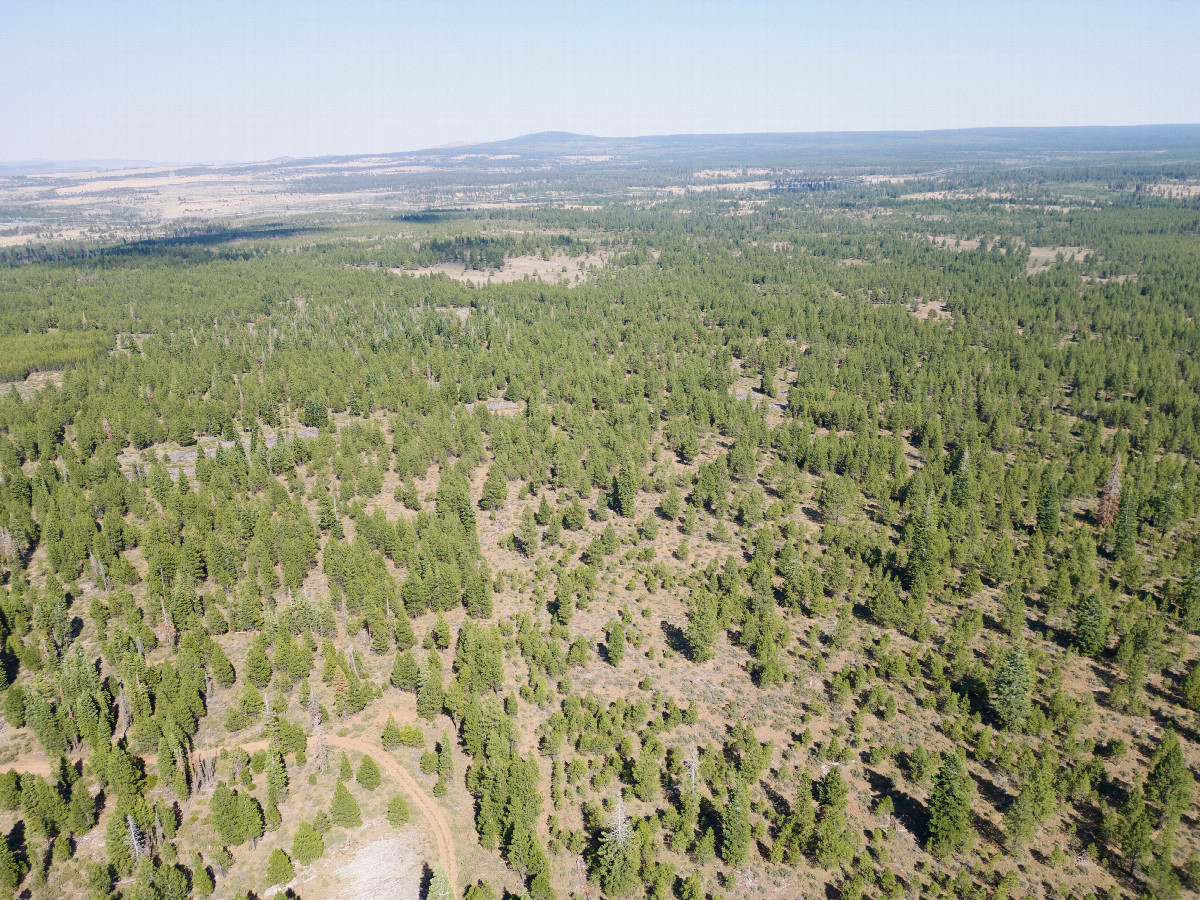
x: 754, y: 148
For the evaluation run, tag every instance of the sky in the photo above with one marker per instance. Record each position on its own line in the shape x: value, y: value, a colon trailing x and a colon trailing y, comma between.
x: 187, y: 82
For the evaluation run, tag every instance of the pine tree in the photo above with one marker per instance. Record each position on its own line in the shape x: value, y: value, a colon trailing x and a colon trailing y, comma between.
x: 544, y: 512
x: 703, y: 625
x: 258, y: 667
x: 615, y: 645
x: 831, y: 844
x: 797, y: 828
x: 495, y: 489
x: 391, y: 737
x: 405, y: 637
x: 1171, y: 784
x: 279, y: 868
x: 307, y: 844
x: 481, y: 890
x: 250, y: 818
x: 431, y: 694
x: 618, y: 858
x: 527, y: 533
x: 671, y: 504
x: 963, y: 488
x: 949, y: 808
x: 922, y: 558
x: 624, y: 492
x: 439, y: 886
x: 406, y: 674
x: 735, y: 826
x: 835, y: 498
x: 1137, y: 833
x: 368, y: 774
x: 398, y: 812
x: 10, y: 869
x: 1049, y: 507
x: 202, y: 880
x: 1012, y: 683
x: 344, y: 811
x: 222, y: 669
x: 1125, y: 537
x: 277, y: 779
x: 1189, y: 601
x: 445, y: 758
x: 1168, y: 507
x: 1091, y: 625
x: 575, y: 516
x: 1191, y: 687
x: 1019, y: 818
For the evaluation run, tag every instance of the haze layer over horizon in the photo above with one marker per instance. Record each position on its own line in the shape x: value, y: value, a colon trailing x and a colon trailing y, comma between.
x: 235, y: 82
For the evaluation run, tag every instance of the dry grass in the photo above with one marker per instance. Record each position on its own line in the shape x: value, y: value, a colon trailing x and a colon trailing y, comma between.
x: 33, y: 383
x: 1042, y: 258
x: 559, y: 268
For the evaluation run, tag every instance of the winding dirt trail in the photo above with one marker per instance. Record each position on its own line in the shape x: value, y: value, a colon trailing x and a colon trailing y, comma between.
x: 427, y: 806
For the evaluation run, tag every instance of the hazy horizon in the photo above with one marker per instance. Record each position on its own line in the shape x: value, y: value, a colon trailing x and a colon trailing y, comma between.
x: 221, y: 82
x: 67, y: 164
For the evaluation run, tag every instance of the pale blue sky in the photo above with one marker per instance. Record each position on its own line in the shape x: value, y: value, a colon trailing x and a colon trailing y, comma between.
x: 182, y: 81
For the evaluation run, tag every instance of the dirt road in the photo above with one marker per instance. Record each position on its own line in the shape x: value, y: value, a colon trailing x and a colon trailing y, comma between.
x: 439, y: 827
x: 425, y: 804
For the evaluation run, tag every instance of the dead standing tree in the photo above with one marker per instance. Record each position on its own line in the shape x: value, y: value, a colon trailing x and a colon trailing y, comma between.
x: 1110, y: 496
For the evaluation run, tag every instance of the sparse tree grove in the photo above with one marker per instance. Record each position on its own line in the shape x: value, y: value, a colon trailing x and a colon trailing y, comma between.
x: 730, y: 570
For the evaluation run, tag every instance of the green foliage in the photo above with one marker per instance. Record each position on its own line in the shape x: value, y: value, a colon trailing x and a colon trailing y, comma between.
x: 1171, y: 784
x: 344, y: 810
x: 1011, y: 687
x: 949, y: 826
x: 1091, y: 625
x: 615, y: 644
x: 495, y: 490
x: 279, y: 868
x: 938, y: 507
x: 735, y: 826
x: 703, y: 625
x: 307, y: 844
x: 398, y: 812
x: 368, y: 774
x: 431, y: 692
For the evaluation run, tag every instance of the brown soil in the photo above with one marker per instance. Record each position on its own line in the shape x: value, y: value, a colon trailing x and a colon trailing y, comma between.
x: 559, y: 268
x: 32, y: 384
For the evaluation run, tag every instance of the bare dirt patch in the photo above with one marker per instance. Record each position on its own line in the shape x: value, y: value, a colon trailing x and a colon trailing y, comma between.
x: 382, y: 870
x: 930, y: 309
x: 559, y: 268
x: 950, y: 242
x: 1174, y: 191
x: 498, y: 407
x: 1042, y: 258
x: 462, y: 313
x: 32, y: 384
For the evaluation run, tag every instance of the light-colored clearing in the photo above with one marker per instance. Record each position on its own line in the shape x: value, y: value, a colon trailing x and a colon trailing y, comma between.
x: 389, y: 869
x: 498, y: 407
x: 732, y: 186
x: 1174, y: 191
x: 32, y: 384
x: 729, y: 173
x: 930, y: 309
x: 1042, y: 258
x: 559, y: 268
x: 950, y: 242
x: 462, y: 313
